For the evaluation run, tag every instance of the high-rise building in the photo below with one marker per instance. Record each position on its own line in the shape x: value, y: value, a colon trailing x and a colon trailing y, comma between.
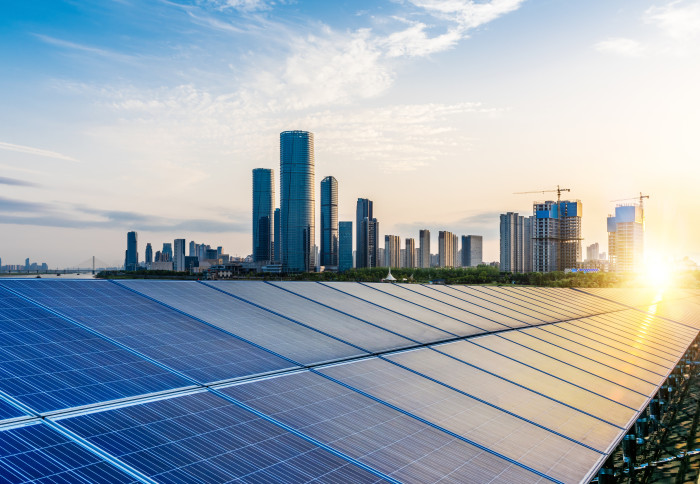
x: 297, y: 201
x: 167, y: 252
x: 277, y: 253
x: 515, y: 243
x: 329, y: 221
x: 556, y: 235
x: 149, y: 253
x: 410, y: 254
x: 193, y: 249
x: 593, y: 252
x: 179, y: 255
x: 344, y: 246
x: 368, y: 252
x: 263, y: 208
x: 456, y: 262
x: 446, y: 248
x: 472, y: 250
x: 365, y: 210
x: 626, y: 238
x: 392, y: 251
x: 424, y: 249
x: 131, y: 260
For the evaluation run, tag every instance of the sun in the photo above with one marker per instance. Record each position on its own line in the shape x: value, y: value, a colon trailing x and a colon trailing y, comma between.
x: 658, y: 273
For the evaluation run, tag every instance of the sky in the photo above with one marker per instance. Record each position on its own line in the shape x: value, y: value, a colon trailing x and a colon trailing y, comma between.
x: 121, y: 115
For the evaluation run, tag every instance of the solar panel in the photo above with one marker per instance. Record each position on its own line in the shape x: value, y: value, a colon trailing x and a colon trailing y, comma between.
x: 520, y: 401
x: 340, y: 325
x: 451, y: 296
x: 391, y: 321
x: 204, y: 438
x: 475, y: 324
x: 37, y: 453
x: 295, y: 341
x: 50, y: 364
x: 197, y: 350
x: 9, y: 411
x: 516, y: 297
x: 375, y: 434
x: 455, y: 309
x: 539, y: 312
x: 517, y: 439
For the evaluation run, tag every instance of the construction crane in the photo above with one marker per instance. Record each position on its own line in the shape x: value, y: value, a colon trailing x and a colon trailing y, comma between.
x: 641, y: 202
x: 558, y: 190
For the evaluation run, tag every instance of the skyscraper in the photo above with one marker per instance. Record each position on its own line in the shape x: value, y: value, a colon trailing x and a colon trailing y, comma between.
x: 131, y: 260
x: 446, y: 248
x: 367, y: 226
x: 167, y: 252
x: 344, y: 246
x: 193, y: 249
x: 472, y: 252
x: 626, y: 238
x: 179, y: 255
x: 329, y: 221
x: 392, y: 251
x: 424, y: 249
x: 516, y: 248
x: 263, y: 207
x: 556, y: 235
x: 277, y: 255
x: 593, y: 250
x: 410, y: 260
x: 297, y: 201
x: 149, y: 253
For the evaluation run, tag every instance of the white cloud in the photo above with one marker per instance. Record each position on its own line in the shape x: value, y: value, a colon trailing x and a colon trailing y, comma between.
x: 241, y: 5
x: 621, y: 46
x: 35, y: 151
x: 679, y: 19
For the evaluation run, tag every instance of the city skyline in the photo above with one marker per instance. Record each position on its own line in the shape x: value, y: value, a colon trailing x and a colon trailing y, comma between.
x: 450, y: 108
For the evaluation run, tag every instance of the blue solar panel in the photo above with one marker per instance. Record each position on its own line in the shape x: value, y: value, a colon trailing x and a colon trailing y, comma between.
x: 384, y: 438
x: 37, y: 453
x: 8, y: 411
x: 295, y: 341
x: 49, y: 364
x: 202, y: 437
x: 196, y: 349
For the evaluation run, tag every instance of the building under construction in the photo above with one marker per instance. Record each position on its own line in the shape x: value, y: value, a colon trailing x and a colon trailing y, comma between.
x: 556, y: 235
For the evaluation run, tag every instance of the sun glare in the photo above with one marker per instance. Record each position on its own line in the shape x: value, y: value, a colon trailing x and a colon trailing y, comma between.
x: 658, y: 273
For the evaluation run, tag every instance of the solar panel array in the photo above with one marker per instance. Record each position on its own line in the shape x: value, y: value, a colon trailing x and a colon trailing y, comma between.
x: 222, y: 381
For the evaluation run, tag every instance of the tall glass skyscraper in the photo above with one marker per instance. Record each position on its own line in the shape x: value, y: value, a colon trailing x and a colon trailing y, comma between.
x: 277, y: 256
x: 131, y: 258
x: 329, y: 221
x: 263, y: 207
x: 344, y: 246
x: 297, y: 201
x: 367, y: 233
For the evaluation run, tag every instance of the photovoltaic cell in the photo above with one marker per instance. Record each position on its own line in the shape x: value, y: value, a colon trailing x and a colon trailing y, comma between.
x: 204, y: 438
x: 682, y: 311
x: 646, y: 327
x: 261, y: 327
x: 8, y: 411
x: 379, y: 436
x: 522, y: 402
x: 451, y: 296
x: 199, y: 351
x: 383, y: 318
x: 474, y: 314
x: 519, y: 298
x: 315, y: 315
x: 50, y: 364
x: 558, y: 300
x: 488, y: 426
x: 476, y: 324
x: 541, y: 313
x: 37, y: 453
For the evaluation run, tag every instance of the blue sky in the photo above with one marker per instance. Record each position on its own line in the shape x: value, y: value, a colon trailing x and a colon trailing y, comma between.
x: 132, y: 115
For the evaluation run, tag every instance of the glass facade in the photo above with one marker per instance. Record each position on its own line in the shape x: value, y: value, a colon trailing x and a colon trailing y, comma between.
x: 472, y: 250
x: 329, y: 221
x: 366, y: 244
x: 344, y: 246
x: 263, y: 206
x: 131, y: 259
x: 297, y: 201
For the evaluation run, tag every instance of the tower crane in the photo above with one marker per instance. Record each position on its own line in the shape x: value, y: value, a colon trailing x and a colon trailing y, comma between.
x: 641, y: 201
x: 558, y: 190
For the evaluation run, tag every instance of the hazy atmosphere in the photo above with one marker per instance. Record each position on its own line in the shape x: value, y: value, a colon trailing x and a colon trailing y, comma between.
x: 149, y: 116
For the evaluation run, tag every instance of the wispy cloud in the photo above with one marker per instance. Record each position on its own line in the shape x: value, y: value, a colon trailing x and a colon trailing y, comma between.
x: 16, y: 182
x: 621, y: 46
x: 66, y: 44
x: 35, y: 151
x: 679, y: 19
